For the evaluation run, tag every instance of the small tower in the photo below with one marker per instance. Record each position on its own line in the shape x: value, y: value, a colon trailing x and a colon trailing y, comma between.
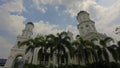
x: 27, y: 32
x: 70, y: 34
x: 16, y: 51
x: 86, y: 26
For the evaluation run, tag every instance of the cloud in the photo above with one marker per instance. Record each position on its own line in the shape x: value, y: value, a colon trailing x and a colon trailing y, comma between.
x: 72, y: 29
x: 108, y: 16
x: 98, y: 12
x: 5, y: 47
x: 105, y: 3
x: 102, y: 15
x: 14, y: 6
x: 41, y: 4
x: 13, y: 23
x: 111, y: 33
x: 46, y: 28
x: 41, y: 8
x: 10, y: 24
x: 42, y: 27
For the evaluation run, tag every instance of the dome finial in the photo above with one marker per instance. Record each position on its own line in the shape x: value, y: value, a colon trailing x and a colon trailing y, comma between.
x: 30, y: 23
x: 81, y: 12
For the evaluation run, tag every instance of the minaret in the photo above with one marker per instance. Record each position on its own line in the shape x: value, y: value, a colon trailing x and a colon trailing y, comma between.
x: 27, y: 32
x: 86, y: 26
x: 20, y: 51
x: 70, y: 34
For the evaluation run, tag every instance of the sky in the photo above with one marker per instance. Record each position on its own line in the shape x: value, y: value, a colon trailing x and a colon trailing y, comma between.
x: 53, y: 16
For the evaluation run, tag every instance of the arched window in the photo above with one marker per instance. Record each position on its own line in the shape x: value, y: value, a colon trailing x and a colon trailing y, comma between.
x: 18, y: 62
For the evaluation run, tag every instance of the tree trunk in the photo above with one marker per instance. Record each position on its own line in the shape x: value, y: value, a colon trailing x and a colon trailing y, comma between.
x: 32, y: 58
x: 58, y: 59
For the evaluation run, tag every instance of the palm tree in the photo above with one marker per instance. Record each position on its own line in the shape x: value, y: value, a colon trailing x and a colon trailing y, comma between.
x: 113, y: 50
x: 50, y: 38
x: 66, y: 41
x: 42, y: 53
x: 60, y: 45
x: 84, y: 50
x: 78, y: 52
x: 118, y: 50
x: 51, y: 43
x: 103, y: 51
x: 31, y: 45
x: 78, y: 49
x: 118, y: 43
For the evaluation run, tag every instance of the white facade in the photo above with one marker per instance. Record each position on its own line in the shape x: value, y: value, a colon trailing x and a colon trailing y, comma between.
x: 20, y: 51
x: 86, y: 29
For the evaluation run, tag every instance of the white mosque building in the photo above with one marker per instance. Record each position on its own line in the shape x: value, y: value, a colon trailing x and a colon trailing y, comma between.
x: 86, y: 29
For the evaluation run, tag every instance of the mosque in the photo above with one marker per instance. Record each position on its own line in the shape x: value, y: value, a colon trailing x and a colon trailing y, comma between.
x: 86, y: 28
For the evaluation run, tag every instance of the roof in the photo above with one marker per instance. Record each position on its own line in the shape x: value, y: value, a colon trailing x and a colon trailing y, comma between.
x: 82, y: 12
x: 30, y: 23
